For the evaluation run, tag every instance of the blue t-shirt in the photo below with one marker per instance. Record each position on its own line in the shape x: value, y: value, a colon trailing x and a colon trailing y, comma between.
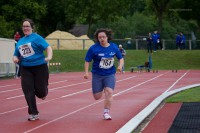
x: 103, y: 58
x: 155, y: 38
x: 30, y: 50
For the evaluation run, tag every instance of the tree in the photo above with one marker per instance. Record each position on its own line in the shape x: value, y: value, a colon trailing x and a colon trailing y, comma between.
x: 91, y: 11
x: 159, y: 7
x: 14, y: 11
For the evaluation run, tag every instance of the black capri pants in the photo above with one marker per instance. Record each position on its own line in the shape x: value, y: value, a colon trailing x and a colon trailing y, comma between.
x: 34, y: 81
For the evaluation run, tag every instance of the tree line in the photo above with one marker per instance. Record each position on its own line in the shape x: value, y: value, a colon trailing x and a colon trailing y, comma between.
x: 127, y: 18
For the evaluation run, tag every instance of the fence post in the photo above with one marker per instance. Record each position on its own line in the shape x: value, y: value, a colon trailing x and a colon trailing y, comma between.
x: 190, y: 45
x: 136, y: 44
x: 163, y: 44
x: 58, y: 44
x: 83, y: 44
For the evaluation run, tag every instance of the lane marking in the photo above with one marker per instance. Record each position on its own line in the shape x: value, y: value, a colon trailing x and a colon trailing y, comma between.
x: 61, y: 117
x: 21, y: 88
x: 120, y: 93
x: 14, y: 97
x: 50, y: 89
x: 58, y: 82
x: 10, y: 90
x: 138, y: 118
x: 66, y: 87
x: 176, y: 82
x: 7, y: 85
x: 46, y: 101
x: 78, y: 110
x: 134, y: 122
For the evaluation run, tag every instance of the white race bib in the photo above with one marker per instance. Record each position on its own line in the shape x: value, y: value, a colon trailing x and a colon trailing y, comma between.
x: 26, y: 50
x: 106, y: 63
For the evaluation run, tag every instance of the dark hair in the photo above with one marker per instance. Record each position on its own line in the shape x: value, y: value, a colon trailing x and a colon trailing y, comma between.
x: 30, y: 21
x: 108, y: 33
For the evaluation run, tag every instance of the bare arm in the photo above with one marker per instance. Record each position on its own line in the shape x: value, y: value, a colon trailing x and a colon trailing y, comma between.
x: 121, y: 62
x: 49, y: 54
x: 86, y: 75
x: 15, y: 59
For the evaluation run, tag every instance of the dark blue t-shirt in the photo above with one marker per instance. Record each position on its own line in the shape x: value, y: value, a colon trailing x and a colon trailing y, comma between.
x: 103, y: 58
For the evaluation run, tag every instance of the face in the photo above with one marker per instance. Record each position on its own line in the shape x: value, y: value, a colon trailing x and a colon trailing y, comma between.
x: 27, y: 29
x: 102, y: 37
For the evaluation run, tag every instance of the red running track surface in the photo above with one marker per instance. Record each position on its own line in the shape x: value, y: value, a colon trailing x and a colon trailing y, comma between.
x: 70, y: 106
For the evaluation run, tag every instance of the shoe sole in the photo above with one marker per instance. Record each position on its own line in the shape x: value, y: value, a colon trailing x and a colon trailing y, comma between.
x: 33, y: 119
x: 108, y: 119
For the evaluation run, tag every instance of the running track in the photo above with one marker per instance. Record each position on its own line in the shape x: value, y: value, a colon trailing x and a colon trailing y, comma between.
x: 71, y: 108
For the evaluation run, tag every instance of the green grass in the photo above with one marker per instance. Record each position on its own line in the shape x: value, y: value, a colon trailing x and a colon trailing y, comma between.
x: 73, y: 60
x: 190, y: 95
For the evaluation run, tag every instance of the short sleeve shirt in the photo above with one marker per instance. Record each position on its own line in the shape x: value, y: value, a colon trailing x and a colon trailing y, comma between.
x: 30, y: 50
x: 103, y: 58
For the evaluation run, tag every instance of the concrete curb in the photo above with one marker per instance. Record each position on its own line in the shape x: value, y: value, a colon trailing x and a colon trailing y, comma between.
x: 135, y: 121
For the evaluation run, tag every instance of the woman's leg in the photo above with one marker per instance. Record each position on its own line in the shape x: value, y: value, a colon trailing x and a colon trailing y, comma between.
x: 41, y: 81
x: 27, y: 82
x: 108, y: 98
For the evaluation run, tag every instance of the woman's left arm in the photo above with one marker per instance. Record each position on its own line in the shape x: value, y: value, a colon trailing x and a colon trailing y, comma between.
x: 121, y: 62
x: 49, y: 54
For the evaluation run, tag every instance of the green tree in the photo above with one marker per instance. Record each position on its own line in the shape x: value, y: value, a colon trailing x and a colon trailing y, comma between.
x: 159, y: 7
x: 91, y: 11
x: 14, y: 11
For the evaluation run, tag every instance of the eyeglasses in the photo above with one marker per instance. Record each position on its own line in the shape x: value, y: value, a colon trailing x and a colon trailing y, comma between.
x: 26, y: 26
x: 103, y: 37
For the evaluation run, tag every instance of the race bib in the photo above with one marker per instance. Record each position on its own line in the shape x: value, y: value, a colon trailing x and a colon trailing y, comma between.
x: 26, y: 50
x: 106, y: 63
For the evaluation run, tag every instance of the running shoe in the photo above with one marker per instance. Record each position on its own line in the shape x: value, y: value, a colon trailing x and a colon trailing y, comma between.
x: 107, y: 116
x: 43, y: 98
x: 33, y: 117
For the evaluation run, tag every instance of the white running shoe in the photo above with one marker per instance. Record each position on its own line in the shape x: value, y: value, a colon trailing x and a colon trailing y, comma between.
x: 107, y: 116
x: 33, y: 117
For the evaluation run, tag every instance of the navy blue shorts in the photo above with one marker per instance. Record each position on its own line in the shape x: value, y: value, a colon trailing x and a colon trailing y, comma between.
x: 100, y: 82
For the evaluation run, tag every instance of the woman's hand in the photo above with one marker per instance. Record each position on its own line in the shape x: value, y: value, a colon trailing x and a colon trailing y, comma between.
x: 86, y: 75
x: 15, y: 59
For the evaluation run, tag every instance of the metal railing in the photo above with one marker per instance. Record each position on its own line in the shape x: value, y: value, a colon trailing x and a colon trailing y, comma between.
x: 131, y: 44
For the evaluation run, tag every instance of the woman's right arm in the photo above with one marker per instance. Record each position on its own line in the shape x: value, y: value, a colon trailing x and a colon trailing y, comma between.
x: 86, y: 75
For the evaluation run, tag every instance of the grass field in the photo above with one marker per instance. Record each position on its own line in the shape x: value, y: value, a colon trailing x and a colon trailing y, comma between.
x: 190, y: 95
x: 73, y: 60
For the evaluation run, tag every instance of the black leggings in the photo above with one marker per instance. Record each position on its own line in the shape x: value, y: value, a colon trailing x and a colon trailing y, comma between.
x: 34, y: 81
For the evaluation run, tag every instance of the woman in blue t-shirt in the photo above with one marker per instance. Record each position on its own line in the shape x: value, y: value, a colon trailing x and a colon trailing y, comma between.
x: 103, y: 70
x: 34, y: 70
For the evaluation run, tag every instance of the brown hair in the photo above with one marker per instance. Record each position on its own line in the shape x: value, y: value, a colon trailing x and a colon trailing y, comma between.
x: 30, y: 21
x: 108, y: 33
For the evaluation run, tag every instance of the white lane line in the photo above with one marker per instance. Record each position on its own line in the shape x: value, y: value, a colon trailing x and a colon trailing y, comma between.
x: 58, y: 82
x: 133, y: 123
x: 14, y: 97
x: 176, y: 82
x: 49, y: 90
x: 46, y: 101
x: 78, y: 110
x: 136, y: 120
x: 69, y: 85
x: 66, y: 87
x: 21, y: 88
x: 7, y: 85
x: 120, y: 93
x: 10, y: 90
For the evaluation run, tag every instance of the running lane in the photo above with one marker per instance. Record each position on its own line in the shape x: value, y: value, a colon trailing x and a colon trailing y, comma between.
x: 71, y: 108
